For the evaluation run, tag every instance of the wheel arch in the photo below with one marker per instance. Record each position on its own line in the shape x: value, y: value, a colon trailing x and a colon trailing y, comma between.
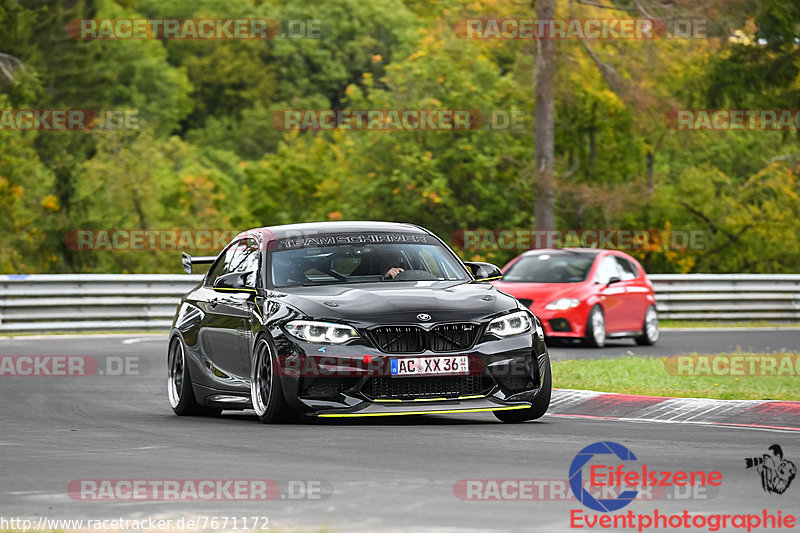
x: 194, y: 364
x: 287, y: 382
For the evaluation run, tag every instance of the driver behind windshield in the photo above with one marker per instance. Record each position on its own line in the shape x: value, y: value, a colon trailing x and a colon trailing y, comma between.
x: 389, y: 262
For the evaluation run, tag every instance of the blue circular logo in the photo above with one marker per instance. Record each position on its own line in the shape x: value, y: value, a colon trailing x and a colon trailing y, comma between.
x: 576, y: 477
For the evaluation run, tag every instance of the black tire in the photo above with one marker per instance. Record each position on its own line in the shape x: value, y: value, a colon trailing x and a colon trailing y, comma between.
x: 540, y: 404
x: 266, y: 392
x: 595, y: 328
x: 179, y: 384
x: 650, y: 332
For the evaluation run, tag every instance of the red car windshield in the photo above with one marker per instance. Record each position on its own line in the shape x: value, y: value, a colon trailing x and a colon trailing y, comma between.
x: 550, y: 268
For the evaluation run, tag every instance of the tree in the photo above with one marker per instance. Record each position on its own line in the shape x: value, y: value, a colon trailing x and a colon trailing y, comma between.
x: 544, y: 203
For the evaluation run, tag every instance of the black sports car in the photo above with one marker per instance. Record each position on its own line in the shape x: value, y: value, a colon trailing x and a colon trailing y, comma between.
x: 353, y: 319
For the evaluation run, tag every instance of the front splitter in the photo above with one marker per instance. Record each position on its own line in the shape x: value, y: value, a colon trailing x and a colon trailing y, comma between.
x: 440, y: 407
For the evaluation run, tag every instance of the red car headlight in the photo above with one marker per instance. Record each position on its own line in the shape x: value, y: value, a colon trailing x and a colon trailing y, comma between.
x: 563, y: 303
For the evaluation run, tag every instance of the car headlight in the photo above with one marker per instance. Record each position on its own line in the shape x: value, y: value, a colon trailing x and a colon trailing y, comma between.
x: 563, y: 303
x: 511, y: 324
x: 310, y: 331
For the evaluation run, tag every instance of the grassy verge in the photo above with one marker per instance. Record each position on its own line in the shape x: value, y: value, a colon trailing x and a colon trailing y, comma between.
x: 649, y: 376
x: 667, y: 323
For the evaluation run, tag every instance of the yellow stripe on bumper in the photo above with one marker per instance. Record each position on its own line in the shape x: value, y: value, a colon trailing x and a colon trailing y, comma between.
x: 446, y: 412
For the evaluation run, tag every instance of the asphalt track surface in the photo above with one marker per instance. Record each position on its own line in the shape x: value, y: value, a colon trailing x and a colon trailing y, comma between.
x: 393, y: 474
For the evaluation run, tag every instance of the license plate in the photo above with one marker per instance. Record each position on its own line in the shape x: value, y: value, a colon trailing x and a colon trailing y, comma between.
x: 427, y: 366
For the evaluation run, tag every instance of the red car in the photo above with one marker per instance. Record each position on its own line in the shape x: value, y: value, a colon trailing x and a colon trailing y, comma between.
x: 583, y: 293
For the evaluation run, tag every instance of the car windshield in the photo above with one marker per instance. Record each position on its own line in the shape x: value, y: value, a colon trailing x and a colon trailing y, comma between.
x: 550, y: 268
x: 362, y: 258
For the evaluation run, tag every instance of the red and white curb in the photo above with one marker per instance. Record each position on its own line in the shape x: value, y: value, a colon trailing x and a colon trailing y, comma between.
x: 756, y: 414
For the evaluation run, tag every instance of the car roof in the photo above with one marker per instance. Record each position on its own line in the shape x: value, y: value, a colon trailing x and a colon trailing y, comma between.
x: 585, y: 251
x: 345, y: 226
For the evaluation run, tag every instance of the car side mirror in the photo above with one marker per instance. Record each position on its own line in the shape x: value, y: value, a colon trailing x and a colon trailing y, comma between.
x: 613, y: 280
x: 232, y: 282
x: 484, y: 271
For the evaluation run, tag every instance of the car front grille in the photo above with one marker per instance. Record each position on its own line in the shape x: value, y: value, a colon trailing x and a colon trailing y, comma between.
x: 380, y: 388
x: 326, y: 387
x: 414, y: 339
x: 399, y: 339
x: 449, y: 337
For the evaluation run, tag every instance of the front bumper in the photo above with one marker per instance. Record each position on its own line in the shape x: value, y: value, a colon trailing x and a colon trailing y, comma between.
x: 353, y: 380
x: 563, y: 323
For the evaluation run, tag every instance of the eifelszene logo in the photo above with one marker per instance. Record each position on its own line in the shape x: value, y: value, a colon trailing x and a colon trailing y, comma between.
x: 620, y: 483
x: 776, y: 472
x: 576, y: 477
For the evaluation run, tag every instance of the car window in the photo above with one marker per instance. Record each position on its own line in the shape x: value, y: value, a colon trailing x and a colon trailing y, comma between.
x: 626, y: 269
x: 242, y: 256
x: 246, y: 260
x: 220, y: 266
x: 430, y: 263
x: 362, y: 258
x: 557, y: 267
x: 607, y: 269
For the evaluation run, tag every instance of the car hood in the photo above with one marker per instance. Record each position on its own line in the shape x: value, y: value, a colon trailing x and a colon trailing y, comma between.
x: 543, y: 293
x: 400, y: 302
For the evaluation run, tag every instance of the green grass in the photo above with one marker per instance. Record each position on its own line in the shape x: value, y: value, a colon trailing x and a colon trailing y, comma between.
x: 649, y: 376
x: 668, y: 323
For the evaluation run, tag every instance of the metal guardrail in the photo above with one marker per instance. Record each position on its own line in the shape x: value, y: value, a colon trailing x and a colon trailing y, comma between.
x: 83, y: 302
x: 773, y: 297
x: 135, y: 302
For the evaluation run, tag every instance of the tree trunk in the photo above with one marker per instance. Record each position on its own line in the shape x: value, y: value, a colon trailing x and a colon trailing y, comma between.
x: 544, y: 203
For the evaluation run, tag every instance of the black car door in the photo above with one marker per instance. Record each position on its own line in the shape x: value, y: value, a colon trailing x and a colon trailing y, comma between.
x: 226, y: 326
